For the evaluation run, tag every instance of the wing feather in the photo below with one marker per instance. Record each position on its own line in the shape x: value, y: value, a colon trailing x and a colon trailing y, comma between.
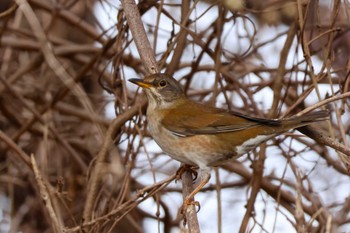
x: 191, y: 118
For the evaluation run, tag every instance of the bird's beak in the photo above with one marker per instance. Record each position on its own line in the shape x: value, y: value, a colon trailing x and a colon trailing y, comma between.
x: 140, y: 83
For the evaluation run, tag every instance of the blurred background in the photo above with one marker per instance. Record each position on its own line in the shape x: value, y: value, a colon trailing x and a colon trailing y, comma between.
x: 65, y: 101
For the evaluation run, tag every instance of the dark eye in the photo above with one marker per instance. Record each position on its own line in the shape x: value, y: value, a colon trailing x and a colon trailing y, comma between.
x: 162, y: 83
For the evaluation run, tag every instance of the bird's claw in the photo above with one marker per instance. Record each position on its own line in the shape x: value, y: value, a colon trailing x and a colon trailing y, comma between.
x: 184, y: 168
x: 195, y: 203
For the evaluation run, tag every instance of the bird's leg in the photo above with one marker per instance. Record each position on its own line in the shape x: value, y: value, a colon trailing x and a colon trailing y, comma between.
x: 183, y: 168
x: 189, y: 200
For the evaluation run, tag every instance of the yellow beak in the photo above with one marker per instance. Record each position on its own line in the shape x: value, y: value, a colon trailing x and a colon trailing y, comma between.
x: 140, y: 83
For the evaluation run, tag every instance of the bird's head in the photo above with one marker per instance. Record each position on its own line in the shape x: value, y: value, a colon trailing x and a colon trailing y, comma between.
x: 162, y: 90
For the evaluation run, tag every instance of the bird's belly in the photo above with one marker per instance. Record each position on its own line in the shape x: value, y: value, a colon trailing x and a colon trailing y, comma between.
x: 198, y: 150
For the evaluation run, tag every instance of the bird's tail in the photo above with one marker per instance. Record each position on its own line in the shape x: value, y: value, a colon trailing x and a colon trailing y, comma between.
x: 299, y: 121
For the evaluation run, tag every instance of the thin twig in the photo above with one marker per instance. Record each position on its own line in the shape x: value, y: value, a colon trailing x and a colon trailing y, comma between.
x: 299, y: 212
x: 94, y: 183
x: 258, y: 170
x: 45, y: 195
x: 278, y: 81
x: 219, y: 199
x: 126, y: 207
x: 22, y: 155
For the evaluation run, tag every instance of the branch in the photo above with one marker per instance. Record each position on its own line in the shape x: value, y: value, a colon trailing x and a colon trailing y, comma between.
x: 140, y: 37
x: 191, y: 213
x: 324, y: 140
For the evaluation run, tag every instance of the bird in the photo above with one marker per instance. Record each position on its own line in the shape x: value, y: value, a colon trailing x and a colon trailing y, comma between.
x: 202, y: 136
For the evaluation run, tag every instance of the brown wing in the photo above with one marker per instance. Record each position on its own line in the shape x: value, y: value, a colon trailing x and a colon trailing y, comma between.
x: 190, y: 118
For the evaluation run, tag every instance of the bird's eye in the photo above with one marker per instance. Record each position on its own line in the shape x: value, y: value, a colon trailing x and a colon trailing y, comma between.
x: 162, y: 83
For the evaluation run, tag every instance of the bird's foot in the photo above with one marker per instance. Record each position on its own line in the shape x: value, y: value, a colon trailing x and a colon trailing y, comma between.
x: 187, y: 206
x: 184, y: 168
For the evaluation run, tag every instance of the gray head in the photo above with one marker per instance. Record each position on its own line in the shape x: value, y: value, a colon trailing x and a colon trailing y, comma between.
x: 161, y: 89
